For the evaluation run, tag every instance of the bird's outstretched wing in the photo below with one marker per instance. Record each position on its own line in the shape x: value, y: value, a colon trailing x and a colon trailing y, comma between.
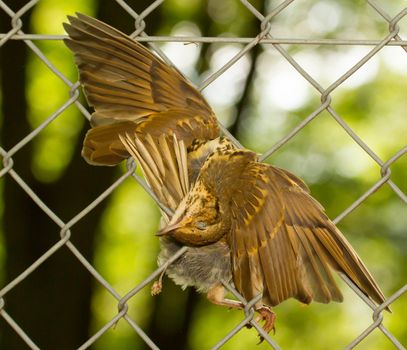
x: 168, y: 166
x: 284, y: 245
x: 163, y: 162
x: 131, y: 89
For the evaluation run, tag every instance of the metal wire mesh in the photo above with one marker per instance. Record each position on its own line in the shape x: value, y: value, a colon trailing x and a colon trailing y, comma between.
x: 264, y: 37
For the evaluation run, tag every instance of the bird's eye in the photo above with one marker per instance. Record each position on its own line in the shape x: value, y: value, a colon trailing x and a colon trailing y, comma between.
x: 201, y: 225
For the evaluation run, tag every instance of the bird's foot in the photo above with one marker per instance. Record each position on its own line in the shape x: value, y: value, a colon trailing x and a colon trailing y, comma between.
x: 157, y: 287
x: 269, y: 318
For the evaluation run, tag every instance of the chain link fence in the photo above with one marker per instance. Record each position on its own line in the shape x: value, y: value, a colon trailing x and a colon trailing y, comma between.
x: 264, y: 37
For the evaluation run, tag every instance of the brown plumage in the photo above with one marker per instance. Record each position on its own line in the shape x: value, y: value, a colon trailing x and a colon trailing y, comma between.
x: 246, y: 222
x: 131, y: 90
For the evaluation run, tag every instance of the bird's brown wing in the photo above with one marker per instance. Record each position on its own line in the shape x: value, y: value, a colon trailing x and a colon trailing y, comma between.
x: 167, y: 166
x: 128, y: 85
x: 284, y: 245
x: 163, y: 162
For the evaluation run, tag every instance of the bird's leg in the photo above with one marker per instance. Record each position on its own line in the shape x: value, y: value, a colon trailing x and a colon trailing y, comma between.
x: 216, y: 295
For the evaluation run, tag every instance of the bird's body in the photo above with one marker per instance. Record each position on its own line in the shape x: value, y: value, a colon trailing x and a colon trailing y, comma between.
x: 246, y: 223
x: 203, y: 268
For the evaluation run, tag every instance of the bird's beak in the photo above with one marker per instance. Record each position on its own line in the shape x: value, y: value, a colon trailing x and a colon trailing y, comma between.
x: 171, y: 227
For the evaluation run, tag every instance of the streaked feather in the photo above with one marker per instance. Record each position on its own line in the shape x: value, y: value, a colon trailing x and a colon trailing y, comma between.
x: 125, y: 82
x: 296, y: 244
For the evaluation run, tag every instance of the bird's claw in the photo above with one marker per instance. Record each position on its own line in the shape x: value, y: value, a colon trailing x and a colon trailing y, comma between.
x: 157, y: 287
x: 269, y: 318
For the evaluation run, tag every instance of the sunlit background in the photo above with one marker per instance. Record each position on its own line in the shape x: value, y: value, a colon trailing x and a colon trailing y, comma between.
x: 261, y: 99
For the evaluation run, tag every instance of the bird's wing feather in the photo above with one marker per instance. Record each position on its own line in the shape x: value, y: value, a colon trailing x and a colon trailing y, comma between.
x: 283, y: 244
x: 125, y: 82
x: 163, y: 163
x: 122, y: 78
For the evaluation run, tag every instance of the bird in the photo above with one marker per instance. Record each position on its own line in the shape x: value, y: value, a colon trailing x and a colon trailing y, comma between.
x: 246, y: 223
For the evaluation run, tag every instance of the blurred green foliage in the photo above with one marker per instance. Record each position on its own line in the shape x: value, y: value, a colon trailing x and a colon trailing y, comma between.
x: 61, y: 133
x: 337, y: 170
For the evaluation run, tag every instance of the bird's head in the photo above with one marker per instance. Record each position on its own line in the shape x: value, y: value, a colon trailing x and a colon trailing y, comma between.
x: 198, y: 220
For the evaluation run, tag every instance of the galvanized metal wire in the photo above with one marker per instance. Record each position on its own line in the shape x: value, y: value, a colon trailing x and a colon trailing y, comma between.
x: 264, y: 37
